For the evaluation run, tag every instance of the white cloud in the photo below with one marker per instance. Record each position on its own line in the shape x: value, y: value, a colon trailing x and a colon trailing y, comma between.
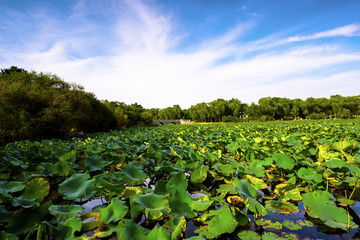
x: 350, y: 30
x: 141, y: 63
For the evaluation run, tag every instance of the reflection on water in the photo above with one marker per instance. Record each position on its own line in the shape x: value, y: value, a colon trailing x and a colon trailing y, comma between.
x: 93, y: 203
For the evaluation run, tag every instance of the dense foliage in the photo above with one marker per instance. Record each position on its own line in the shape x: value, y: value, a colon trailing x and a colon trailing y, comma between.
x: 36, y: 106
x: 212, y: 180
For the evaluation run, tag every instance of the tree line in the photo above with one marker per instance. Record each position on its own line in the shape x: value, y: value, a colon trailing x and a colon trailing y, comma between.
x: 35, y: 106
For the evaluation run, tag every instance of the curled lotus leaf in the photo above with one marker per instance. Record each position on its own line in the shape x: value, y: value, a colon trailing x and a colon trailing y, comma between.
x: 156, y: 206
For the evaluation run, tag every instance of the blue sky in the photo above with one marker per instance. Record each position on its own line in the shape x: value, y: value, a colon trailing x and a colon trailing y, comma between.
x: 164, y: 52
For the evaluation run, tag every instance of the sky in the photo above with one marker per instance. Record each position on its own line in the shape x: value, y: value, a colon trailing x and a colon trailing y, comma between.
x: 159, y: 53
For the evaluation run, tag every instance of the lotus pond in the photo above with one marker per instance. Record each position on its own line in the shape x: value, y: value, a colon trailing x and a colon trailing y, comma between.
x: 277, y: 180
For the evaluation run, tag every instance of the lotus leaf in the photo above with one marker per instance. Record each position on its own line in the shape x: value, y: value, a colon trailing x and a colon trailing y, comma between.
x: 224, y: 169
x: 291, y: 225
x: 181, y: 203
x: 176, y: 182
x: 77, y: 186
x: 249, y: 195
x: 156, y: 206
x: 320, y: 204
x: 178, y: 225
x: 61, y: 168
x: 116, y: 210
x: 95, y: 163
x: 199, y: 175
x: 201, y: 204
x: 269, y: 224
x: 222, y: 221
x: 37, y: 188
x: 132, y: 174
x: 287, y: 192
x: 11, y: 187
x: 336, y: 163
x: 4, y: 215
x: 283, y: 161
x: 280, y: 206
x: 158, y: 233
x: 271, y: 236
x: 128, y: 230
x: 24, y: 202
x: 65, y: 211
x: 69, y: 227
x: 248, y: 235
x: 309, y: 175
x: 24, y: 220
x: 257, y: 182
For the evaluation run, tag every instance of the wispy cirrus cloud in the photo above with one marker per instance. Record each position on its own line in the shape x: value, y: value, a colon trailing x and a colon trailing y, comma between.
x: 133, y: 55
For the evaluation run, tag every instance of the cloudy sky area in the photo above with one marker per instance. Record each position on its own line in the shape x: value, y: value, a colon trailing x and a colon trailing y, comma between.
x: 164, y: 52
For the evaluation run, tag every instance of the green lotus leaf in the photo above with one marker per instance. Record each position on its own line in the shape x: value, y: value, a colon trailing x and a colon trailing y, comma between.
x: 320, y: 204
x: 37, y: 188
x: 156, y: 206
x: 287, y: 192
x: 158, y: 233
x: 77, y: 186
x: 114, y: 212
x: 69, y: 227
x: 11, y: 187
x: 257, y: 182
x: 26, y: 219
x: 280, y: 206
x: 94, y: 150
x: 45, y: 169
x: 180, y: 204
x: 224, y: 169
x: 249, y: 195
x: 201, y: 204
x: 8, y: 236
x: 199, y: 175
x: 248, y: 235
x: 24, y: 202
x: 178, y: 225
x: 10, y: 158
x: 4, y: 215
x: 128, y: 230
x: 269, y: 224
x: 291, y: 225
x: 176, y: 182
x: 343, y: 146
x: 272, y: 236
x: 305, y: 223
x: 283, y: 161
x: 232, y: 147
x: 336, y: 163
x: 61, y: 168
x: 309, y: 175
x: 65, y: 211
x: 132, y: 174
x: 222, y: 221
x: 95, y: 163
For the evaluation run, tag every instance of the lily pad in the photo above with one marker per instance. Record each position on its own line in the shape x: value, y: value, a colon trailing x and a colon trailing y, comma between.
x: 199, y: 175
